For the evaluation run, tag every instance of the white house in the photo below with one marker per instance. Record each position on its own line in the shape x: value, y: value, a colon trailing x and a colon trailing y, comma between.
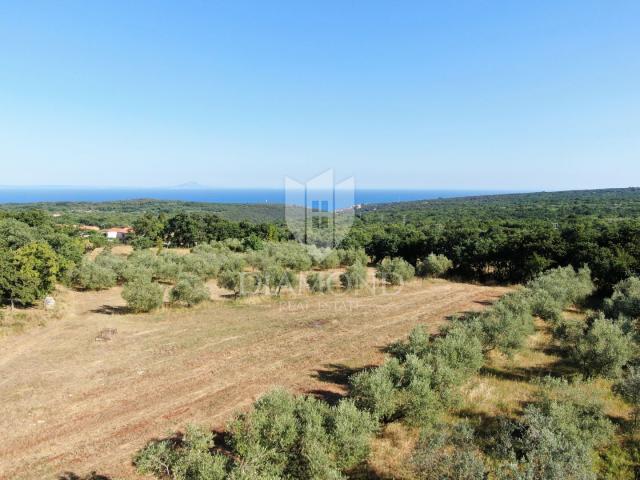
x: 118, y: 233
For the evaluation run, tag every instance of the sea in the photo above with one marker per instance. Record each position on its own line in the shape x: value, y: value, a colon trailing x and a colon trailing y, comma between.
x: 216, y: 195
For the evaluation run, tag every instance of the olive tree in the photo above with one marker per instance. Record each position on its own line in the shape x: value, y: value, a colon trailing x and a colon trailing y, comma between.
x: 604, y: 349
x: 394, y: 270
x: 355, y: 277
x: 143, y: 295
x: 319, y: 282
x: 239, y: 282
x: 189, y: 290
x: 629, y: 389
x: 433, y: 266
x: 92, y: 276
x: 275, y: 277
x: 625, y: 299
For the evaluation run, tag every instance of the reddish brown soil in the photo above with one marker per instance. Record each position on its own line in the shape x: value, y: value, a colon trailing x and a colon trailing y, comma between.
x: 74, y: 403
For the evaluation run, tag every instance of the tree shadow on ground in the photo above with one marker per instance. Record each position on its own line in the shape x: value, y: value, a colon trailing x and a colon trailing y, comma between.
x: 485, y: 303
x: 73, y: 476
x: 560, y: 368
x: 111, y: 310
x: 336, y: 374
x: 366, y: 472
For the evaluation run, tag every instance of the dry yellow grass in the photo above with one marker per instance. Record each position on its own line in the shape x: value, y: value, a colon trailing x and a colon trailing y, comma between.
x: 72, y: 402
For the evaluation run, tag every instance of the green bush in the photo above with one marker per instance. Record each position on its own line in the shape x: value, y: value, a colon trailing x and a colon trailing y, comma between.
x: 604, y: 349
x: 300, y: 437
x: 241, y: 283
x: 351, y: 431
x: 546, y: 306
x: 168, y: 267
x: 556, y: 289
x: 618, y: 462
x: 189, y: 290
x: 460, y: 350
x: 376, y: 390
x: 433, y: 266
x: 290, y: 255
x: 115, y: 263
x: 555, y: 440
x: 330, y: 260
x: 187, y: 459
x: 355, y: 277
x: 629, y: 389
x: 352, y: 256
x: 132, y: 272
x: 143, y: 295
x: 275, y: 277
x: 448, y: 453
x: 422, y: 402
x: 204, y: 265
x: 394, y: 270
x: 506, y: 325
x: 91, y: 276
x: 319, y: 283
x: 625, y: 299
x: 418, y: 343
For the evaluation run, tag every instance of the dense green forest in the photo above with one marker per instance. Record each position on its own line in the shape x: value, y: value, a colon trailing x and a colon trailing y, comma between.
x: 117, y: 213
x: 503, y: 238
x: 511, y: 238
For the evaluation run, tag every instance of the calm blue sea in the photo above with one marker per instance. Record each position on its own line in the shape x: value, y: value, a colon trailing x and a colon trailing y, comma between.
x: 60, y: 194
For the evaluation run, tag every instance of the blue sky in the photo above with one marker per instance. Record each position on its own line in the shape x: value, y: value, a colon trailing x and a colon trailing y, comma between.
x: 489, y: 95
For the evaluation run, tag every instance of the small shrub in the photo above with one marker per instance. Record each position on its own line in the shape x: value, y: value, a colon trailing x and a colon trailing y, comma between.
x: 351, y: 433
x: 330, y: 260
x: 559, y: 288
x: 189, y: 290
x: 418, y: 343
x: 300, y: 437
x: 187, y: 459
x: 625, y: 299
x: 113, y: 262
x: 394, y: 270
x: 555, y: 440
x: 241, y: 283
x: 460, y: 350
x: 275, y: 277
x: 290, y: 255
x: 352, y: 256
x: 168, y: 267
x: 506, y: 325
x: 319, y: 283
x: 433, y: 266
x: 143, y: 295
x: 355, y: 277
x: 376, y: 390
x: 604, y: 349
x: 447, y: 453
x: 132, y: 272
x: 629, y: 389
x: 422, y: 403
x: 204, y: 265
x: 92, y: 276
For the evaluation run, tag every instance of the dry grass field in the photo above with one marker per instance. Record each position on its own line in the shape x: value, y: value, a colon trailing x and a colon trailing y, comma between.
x: 86, y: 390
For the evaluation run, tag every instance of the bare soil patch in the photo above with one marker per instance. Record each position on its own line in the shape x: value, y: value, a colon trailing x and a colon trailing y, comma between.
x: 75, y: 403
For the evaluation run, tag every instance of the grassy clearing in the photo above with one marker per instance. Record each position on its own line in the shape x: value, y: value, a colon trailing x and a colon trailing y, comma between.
x: 69, y: 398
